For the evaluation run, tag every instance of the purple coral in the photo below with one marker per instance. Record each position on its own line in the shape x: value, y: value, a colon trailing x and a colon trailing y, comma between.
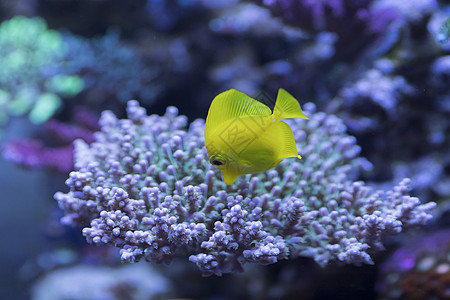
x: 373, y: 98
x: 34, y: 154
x: 420, y: 269
x: 348, y: 18
x: 146, y: 186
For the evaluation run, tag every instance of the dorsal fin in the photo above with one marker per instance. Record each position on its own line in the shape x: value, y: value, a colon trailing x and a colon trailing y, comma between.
x: 230, y: 105
x: 287, y: 107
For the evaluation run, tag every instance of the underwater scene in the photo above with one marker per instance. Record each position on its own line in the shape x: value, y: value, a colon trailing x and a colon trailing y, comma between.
x: 225, y: 149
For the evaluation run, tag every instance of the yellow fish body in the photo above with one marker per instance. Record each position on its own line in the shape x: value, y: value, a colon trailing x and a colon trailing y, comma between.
x: 243, y: 136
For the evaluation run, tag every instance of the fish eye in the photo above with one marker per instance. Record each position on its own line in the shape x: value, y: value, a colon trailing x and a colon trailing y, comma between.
x: 217, y: 160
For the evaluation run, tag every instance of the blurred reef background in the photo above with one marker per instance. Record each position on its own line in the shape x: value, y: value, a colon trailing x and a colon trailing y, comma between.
x: 372, y: 75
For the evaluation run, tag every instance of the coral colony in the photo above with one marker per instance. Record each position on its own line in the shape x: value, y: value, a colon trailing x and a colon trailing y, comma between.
x: 420, y: 269
x: 33, y: 75
x: 35, y: 154
x: 41, y: 67
x: 146, y: 186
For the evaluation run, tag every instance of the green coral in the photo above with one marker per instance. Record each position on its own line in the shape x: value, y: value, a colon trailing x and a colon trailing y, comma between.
x: 39, y: 67
x: 66, y: 85
x: 44, y: 108
x: 33, y: 73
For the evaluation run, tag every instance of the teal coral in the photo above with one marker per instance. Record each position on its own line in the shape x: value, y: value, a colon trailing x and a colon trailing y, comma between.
x: 444, y: 32
x: 41, y: 67
x: 33, y: 58
x: 111, y: 68
x: 146, y: 186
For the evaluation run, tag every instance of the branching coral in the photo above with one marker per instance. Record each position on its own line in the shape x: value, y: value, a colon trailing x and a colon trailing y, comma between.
x: 146, y: 186
x: 373, y: 98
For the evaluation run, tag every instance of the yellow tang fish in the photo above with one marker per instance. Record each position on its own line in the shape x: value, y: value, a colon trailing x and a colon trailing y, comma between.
x: 243, y: 136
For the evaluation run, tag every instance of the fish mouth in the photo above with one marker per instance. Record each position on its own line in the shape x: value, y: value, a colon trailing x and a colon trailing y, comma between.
x: 229, y: 178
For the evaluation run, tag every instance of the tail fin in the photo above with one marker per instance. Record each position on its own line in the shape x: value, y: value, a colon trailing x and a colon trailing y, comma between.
x: 287, y: 107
